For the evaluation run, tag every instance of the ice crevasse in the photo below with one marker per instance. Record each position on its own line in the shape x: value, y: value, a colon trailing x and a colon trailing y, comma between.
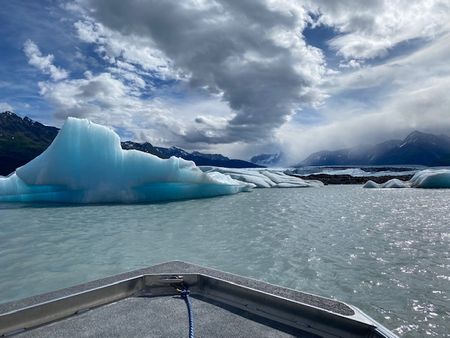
x: 86, y: 164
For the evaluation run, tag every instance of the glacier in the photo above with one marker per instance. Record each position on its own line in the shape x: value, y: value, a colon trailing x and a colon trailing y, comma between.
x: 425, y: 179
x: 86, y: 164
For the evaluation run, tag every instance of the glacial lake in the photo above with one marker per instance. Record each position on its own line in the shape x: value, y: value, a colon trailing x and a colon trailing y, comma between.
x: 384, y: 251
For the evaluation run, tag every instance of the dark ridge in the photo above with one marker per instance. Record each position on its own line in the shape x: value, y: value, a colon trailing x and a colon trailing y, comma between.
x: 22, y: 139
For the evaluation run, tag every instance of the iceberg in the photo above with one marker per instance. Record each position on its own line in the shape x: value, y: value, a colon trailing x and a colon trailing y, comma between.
x: 371, y: 185
x: 394, y: 183
x: 431, y: 179
x: 86, y: 164
x: 265, y: 178
x: 425, y: 179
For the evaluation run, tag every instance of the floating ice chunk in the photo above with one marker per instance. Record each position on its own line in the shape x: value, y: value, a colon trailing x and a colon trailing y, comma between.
x: 427, y: 179
x: 290, y: 185
x: 371, y: 184
x: 258, y: 181
x: 264, y: 178
x: 86, y: 164
x: 226, y: 179
x: 394, y: 183
x: 248, y: 176
x: 431, y: 179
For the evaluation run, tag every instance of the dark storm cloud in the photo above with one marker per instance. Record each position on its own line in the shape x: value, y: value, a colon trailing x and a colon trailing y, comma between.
x: 250, y: 53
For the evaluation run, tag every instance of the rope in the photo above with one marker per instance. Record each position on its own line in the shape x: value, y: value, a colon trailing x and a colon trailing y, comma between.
x: 184, y: 293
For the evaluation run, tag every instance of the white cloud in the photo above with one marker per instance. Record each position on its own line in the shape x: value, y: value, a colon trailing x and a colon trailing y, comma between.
x: 43, y: 63
x: 4, y: 106
x: 242, y: 70
x: 370, y: 28
x: 350, y: 64
x: 407, y: 93
x: 409, y: 70
x: 105, y: 98
x: 119, y: 50
x: 251, y: 54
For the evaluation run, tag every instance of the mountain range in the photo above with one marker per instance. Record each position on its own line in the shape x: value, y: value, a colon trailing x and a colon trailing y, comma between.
x: 417, y: 148
x: 22, y: 139
x: 201, y: 159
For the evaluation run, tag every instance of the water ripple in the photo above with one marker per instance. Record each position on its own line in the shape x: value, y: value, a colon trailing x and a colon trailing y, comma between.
x: 385, y: 251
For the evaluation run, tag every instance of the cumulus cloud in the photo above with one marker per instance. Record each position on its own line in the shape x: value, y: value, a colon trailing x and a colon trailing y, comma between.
x: 233, y: 76
x: 350, y: 64
x: 43, y: 63
x: 125, y: 52
x: 251, y: 54
x: 369, y: 29
x: 107, y: 100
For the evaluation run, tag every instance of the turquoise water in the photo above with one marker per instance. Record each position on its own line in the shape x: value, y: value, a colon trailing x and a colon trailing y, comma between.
x: 385, y: 251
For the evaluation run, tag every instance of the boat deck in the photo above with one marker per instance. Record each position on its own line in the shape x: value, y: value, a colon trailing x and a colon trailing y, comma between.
x: 146, y: 303
x: 163, y: 317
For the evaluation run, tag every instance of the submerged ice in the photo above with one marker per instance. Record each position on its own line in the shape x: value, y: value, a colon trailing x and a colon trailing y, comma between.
x: 426, y: 179
x: 86, y: 164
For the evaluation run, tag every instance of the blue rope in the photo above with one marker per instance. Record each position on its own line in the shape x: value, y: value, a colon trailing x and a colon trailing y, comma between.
x: 184, y: 293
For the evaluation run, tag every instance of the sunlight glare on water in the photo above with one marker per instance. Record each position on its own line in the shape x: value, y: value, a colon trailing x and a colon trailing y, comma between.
x: 384, y: 251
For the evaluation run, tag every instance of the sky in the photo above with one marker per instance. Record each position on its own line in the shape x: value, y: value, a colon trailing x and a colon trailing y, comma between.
x: 237, y: 77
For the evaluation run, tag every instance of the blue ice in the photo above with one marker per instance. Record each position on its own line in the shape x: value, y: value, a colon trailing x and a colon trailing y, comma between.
x: 86, y: 164
x: 426, y: 179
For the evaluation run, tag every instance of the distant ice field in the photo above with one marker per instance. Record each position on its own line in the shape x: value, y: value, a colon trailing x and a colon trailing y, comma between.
x: 386, y: 251
x: 358, y: 172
